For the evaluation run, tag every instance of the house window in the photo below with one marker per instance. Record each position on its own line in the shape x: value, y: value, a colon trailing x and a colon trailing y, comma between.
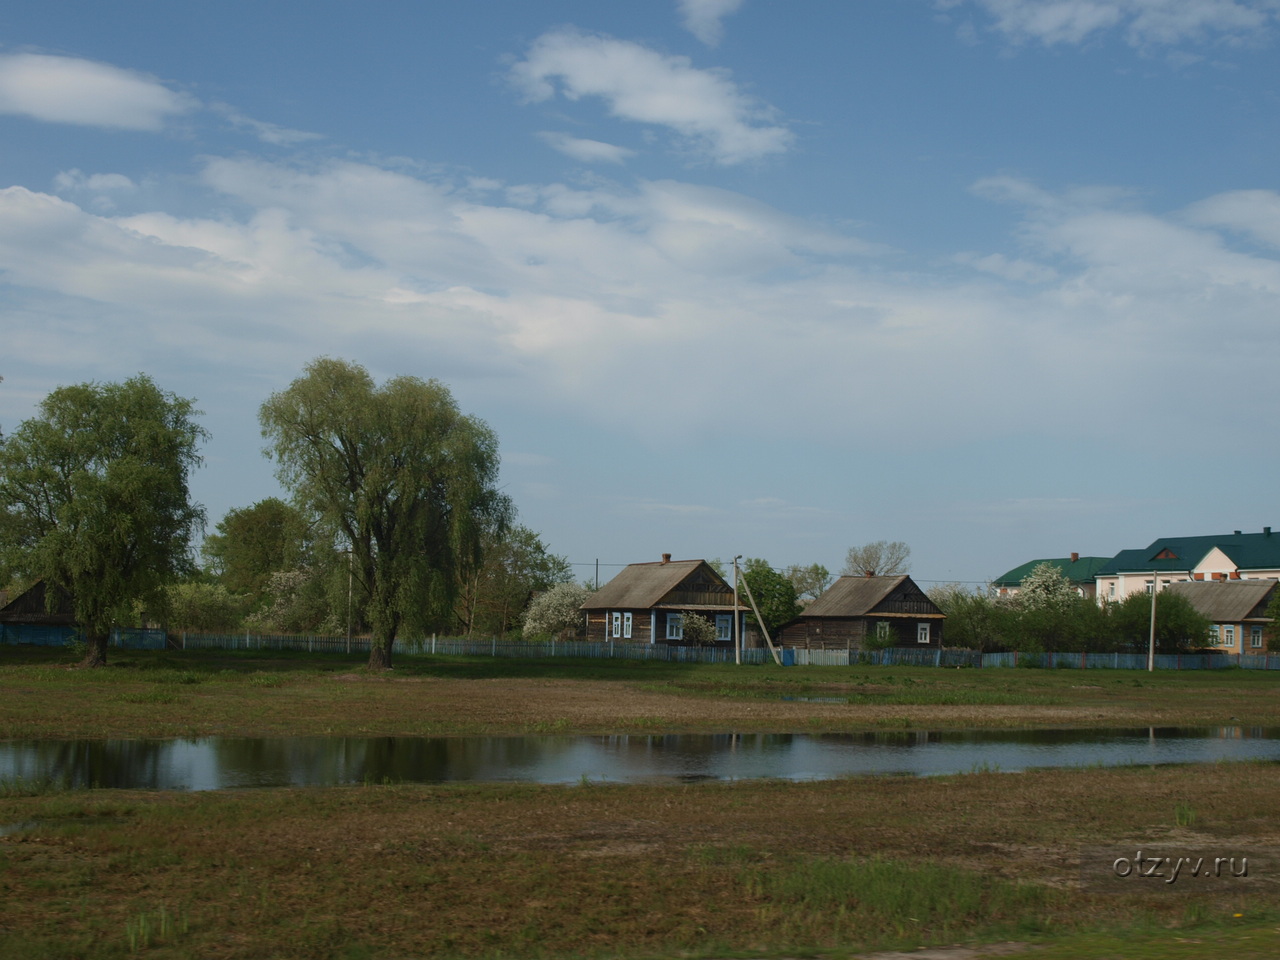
x: 922, y: 633
x: 1111, y: 591
x: 1255, y: 637
x: 675, y: 626
x: 626, y: 626
x: 724, y: 626
x: 1230, y: 640
x: 1215, y: 635
x: 882, y: 630
x: 616, y: 628
x: 1150, y: 586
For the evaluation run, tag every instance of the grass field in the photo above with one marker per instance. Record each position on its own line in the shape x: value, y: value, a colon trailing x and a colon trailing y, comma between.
x: 746, y: 869
x: 204, y: 693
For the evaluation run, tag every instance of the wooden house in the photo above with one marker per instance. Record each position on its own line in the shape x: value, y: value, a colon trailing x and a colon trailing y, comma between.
x: 31, y: 606
x: 853, y: 608
x: 1236, y: 610
x: 646, y: 603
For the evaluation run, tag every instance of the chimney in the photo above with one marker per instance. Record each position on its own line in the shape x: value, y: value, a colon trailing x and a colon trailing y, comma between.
x: 1075, y: 557
x: 666, y: 558
x: 1266, y: 531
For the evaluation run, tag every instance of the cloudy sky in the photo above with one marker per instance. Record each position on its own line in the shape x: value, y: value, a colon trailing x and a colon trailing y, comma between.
x: 999, y: 278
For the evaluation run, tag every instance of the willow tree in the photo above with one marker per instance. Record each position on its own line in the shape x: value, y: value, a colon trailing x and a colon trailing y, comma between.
x: 94, y: 500
x: 399, y: 476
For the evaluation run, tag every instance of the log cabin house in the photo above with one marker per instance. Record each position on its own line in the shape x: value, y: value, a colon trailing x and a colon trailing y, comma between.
x: 854, y: 607
x: 645, y: 603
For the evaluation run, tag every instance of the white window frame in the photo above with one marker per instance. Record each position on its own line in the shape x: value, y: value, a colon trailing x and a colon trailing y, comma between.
x: 1230, y: 638
x: 1215, y: 635
x: 923, y: 633
x: 675, y: 626
x: 882, y: 629
x: 616, y: 620
x: 626, y: 626
x: 724, y: 626
x: 1255, y: 637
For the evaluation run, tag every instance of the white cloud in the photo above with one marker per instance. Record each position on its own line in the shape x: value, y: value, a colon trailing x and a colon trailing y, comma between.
x: 266, y: 132
x: 704, y: 18
x: 636, y: 307
x: 1255, y: 213
x: 1144, y: 22
x: 1013, y: 269
x: 586, y: 151
x: 71, y: 90
x: 705, y: 108
x: 75, y: 180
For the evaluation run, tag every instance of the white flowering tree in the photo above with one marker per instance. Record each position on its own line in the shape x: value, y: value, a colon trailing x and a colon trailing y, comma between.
x: 1045, y: 586
x: 556, y: 612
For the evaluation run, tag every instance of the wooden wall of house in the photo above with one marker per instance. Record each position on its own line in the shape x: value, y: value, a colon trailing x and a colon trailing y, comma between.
x: 847, y: 633
x: 599, y: 626
x: 909, y: 599
x: 699, y: 589
x: 825, y: 633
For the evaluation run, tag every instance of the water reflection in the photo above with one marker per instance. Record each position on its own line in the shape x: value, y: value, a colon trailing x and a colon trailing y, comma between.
x: 226, y: 762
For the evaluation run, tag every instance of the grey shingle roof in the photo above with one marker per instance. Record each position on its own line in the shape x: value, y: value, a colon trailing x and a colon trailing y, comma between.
x: 1228, y: 601
x: 852, y: 596
x: 643, y: 585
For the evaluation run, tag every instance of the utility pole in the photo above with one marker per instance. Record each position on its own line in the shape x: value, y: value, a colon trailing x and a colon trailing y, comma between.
x: 737, y: 617
x: 1151, y: 644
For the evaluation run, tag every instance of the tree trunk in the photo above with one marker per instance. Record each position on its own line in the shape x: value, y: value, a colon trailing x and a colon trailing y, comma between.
x: 95, y: 653
x: 380, y: 653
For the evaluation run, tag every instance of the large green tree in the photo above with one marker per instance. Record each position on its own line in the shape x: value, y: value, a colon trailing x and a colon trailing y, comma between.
x: 774, y: 593
x: 1179, y: 626
x: 810, y: 582
x: 400, y: 476
x: 94, y: 499
x: 516, y: 565
x: 252, y: 543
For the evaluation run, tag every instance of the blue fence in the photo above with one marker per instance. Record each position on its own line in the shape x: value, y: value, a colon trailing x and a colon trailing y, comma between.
x: 137, y: 639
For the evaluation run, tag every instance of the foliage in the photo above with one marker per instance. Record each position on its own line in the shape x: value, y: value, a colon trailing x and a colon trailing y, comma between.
x: 1273, y: 628
x: 773, y: 592
x: 299, y: 601
x: 1179, y: 626
x: 697, y: 629
x: 879, y: 636
x: 399, y: 475
x: 516, y: 566
x: 94, y: 499
x: 810, y: 582
x: 254, y: 542
x: 972, y: 618
x: 204, y: 607
x: 883, y: 558
x: 556, y: 611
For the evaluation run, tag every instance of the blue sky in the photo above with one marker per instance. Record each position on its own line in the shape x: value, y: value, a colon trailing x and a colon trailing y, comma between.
x: 999, y: 278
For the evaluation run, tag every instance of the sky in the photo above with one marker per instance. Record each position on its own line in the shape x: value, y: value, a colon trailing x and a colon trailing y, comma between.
x: 996, y: 278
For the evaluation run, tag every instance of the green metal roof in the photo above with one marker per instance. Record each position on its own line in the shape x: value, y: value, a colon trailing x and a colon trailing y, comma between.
x: 1081, y: 570
x: 1248, y: 551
